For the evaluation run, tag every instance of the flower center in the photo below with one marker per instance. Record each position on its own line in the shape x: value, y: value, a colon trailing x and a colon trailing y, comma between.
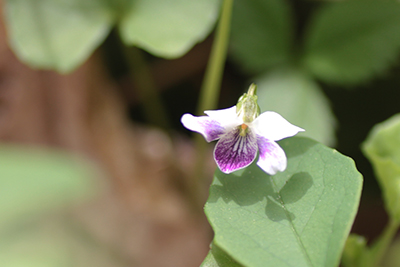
x: 243, y: 129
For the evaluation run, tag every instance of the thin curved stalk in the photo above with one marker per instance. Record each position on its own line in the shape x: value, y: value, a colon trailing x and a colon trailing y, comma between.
x: 210, y: 89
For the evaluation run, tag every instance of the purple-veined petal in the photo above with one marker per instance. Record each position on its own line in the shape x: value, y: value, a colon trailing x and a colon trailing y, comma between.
x: 273, y: 126
x: 272, y: 157
x: 234, y: 152
x: 209, y: 128
x: 226, y: 117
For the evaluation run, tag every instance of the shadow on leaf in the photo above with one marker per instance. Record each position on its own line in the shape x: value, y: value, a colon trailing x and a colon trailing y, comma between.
x: 252, y: 186
x: 294, y: 189
x: 248, y: 188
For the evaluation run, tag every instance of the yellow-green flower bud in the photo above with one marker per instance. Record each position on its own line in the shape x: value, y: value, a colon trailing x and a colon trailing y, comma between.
x: 247, y: 107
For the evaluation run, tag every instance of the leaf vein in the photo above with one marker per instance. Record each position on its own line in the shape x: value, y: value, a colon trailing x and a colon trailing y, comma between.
x: 303, y: 249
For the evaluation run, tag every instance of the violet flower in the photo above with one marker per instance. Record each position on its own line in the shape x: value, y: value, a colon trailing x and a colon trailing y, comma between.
x: 242, y: 132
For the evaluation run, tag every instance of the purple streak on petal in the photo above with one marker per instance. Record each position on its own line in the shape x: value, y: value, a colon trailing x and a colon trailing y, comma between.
x: 234, y: 152
x: 272, y: 157
x: 209, y: 128
x: 212, y: 130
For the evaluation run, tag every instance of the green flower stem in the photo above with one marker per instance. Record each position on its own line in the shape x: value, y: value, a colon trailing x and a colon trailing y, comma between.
x: 211, y: 88
x: 154, y: 109
x: 380, y: 247
x: 212, y: 80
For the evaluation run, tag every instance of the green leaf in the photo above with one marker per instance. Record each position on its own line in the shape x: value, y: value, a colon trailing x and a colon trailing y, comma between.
x: 40, y: 244
x: 300, y: 217
x: 168, y: 28
x: 33, y: 181
x: 216, y: 257
x: 392, y: 258
x: 38, y: 188
x: 354, y: 251
x: 300, y: 100
x: 382, y: 148
x: 261, y: 33
x: 351, y: 41
x: 57, y: 241
x: 56, y: 34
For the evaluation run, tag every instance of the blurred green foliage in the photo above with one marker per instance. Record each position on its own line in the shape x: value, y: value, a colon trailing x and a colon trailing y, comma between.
x: 350, y: 42
x: 37, y: 187
x: 62, y: 34
x: 382, y: 148
x: 345, y: 42
x: 354, y: 251
x: 168, y: 28
x: 56, y: 34
x: 36, y: 180
x: 262, y: 34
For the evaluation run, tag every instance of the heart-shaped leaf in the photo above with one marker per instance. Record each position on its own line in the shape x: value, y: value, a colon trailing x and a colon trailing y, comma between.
x: 300, y: 217
x: 350, y: 41
x: 168, y: 28
x: 56, y: 34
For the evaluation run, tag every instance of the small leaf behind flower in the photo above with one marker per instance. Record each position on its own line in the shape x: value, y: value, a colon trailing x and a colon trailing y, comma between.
x: 300, y: 100
x: 262, y: 33
x: 300, y: 217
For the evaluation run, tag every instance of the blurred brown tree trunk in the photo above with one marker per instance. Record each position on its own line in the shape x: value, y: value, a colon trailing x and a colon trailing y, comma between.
x: 144, y: 215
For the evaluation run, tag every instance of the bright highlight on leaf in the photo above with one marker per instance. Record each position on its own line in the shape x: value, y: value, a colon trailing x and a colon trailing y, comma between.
x: 300, y: 217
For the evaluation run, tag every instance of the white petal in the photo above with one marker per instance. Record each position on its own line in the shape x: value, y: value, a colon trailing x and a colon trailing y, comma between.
x: 272, y: 157
x: 226, y: 117
x: 209, y: 128
x: 273, y: 126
